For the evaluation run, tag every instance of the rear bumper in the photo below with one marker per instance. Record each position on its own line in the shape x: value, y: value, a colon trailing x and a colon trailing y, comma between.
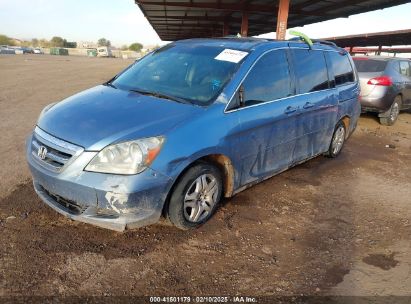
x: 379, y: 100
x: 379, y: 105
x: 116, y: 202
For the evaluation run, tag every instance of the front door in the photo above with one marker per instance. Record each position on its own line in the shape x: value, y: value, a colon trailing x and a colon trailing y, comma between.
x: 268, y: 117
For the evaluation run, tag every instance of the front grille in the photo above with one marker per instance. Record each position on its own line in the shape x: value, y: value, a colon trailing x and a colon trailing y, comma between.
x: 51, y: 152
x: 53, y: 157
x: 70, y: 206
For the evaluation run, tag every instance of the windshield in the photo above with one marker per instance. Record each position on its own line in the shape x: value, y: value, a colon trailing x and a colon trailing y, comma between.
x: 369, y: 65
x: 182, y: 72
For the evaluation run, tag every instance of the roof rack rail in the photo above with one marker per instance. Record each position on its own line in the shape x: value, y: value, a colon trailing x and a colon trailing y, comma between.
x: 326, y: 42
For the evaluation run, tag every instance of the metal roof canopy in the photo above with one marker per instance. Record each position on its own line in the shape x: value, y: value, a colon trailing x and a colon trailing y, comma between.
x: 402, y: 37
x: 181, y: 19
x: 395, y: 50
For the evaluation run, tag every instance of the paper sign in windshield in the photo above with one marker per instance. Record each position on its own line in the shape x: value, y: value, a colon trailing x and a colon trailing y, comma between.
x: 231, y: 55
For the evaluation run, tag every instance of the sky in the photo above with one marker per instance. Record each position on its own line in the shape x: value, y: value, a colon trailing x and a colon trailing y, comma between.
x: 122, y: 22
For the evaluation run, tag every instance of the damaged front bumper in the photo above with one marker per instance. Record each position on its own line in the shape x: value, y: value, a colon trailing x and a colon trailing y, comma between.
x: 116, y: 202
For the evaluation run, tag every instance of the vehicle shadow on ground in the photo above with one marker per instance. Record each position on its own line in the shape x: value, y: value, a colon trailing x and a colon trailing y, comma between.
x: 373, y: 116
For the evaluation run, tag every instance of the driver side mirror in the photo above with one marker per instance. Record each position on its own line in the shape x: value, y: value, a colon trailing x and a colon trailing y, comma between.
x: 241, y: 102
x: 238, y: 100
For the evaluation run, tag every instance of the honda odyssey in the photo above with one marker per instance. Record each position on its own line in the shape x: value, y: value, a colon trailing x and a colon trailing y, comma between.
x: 193, y: 122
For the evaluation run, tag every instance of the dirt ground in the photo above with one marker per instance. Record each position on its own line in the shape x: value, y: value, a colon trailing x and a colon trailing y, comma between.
x: 327, y: 227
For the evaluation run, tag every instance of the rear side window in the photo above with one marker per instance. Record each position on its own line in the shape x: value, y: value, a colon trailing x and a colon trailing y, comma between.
x: 341, y: 67
x: 311, y: 70
x: 404, y: 68
x: 269, y: 79
x: 365, y: 65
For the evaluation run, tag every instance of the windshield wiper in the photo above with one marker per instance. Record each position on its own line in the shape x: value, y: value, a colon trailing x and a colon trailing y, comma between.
x: 159, y: 95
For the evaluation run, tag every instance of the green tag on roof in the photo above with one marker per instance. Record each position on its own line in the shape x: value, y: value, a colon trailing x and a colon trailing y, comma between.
x: 303, y: 37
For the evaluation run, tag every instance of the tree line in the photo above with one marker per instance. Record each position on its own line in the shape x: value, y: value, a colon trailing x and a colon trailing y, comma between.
x: 54, y: 42
x: 57, y: 41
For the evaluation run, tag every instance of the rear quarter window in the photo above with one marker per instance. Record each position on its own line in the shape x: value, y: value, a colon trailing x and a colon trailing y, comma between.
x: 310, y: 70
x: 341, y: 67
x: 365, y: 65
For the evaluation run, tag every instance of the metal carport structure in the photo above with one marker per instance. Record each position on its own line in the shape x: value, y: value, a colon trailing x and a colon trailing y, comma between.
x: 393, y: 50
x: 380, y: 39
x: 401, y: 37
x: 180, y: 19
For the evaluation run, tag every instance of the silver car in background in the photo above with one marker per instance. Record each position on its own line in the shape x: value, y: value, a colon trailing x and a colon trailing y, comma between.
x: 385, y: 86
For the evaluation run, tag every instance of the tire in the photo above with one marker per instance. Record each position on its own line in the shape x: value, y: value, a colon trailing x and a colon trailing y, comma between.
x: 337, y: 141
x: 392, y: 113
x: 191, y: 204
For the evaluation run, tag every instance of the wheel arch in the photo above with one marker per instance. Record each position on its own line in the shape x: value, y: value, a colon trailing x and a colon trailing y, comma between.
x: 346, y: 120
x: 221, y: 162
x: 224, y: 164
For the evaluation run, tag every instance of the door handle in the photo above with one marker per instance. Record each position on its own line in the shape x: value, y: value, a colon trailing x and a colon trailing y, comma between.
x: 308, y: 105
x: 290, y: 109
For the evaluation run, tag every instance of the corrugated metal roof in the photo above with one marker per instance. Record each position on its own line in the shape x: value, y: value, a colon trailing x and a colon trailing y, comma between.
x: 401, y: 37
x: 180, y: 19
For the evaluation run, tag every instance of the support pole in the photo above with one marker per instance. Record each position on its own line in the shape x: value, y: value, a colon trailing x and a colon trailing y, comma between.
x: 226, y: 29
x: 282, y: 18
x: 244, y: 25
x: 379, y: 50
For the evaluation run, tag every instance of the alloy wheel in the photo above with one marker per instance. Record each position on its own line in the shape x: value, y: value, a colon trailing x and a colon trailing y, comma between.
x: 395, y: 110
x: 338, y: 140
x: 200, y: 198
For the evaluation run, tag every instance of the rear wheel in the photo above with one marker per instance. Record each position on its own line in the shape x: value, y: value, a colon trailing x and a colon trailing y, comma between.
x: 195, y: 197
x: 337, y: 141
x: 392, y: 113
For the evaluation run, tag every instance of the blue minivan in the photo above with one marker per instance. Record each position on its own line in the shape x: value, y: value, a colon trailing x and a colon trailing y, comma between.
x: 193, y: 122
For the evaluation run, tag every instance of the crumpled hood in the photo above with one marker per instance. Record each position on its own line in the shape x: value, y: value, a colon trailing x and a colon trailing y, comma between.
x: 102, y: 115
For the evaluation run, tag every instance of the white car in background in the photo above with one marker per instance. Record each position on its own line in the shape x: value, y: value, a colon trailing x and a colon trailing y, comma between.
x: 38, y: 51
x: 104, y: 51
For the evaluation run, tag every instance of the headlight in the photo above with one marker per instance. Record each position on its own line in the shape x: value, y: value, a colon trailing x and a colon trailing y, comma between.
x: 129, y: 157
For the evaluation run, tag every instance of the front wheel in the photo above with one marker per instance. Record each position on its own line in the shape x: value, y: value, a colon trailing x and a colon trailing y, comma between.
x: 337, y: 141
x: 195, y: 197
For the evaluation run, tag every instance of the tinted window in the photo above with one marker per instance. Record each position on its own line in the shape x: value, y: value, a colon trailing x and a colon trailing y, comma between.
x: 191, y: 72
x: 341, y: 67
x: 269, y: 79
x: 369, y: 65
x: 311, y: 70
x: 404, y: 68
